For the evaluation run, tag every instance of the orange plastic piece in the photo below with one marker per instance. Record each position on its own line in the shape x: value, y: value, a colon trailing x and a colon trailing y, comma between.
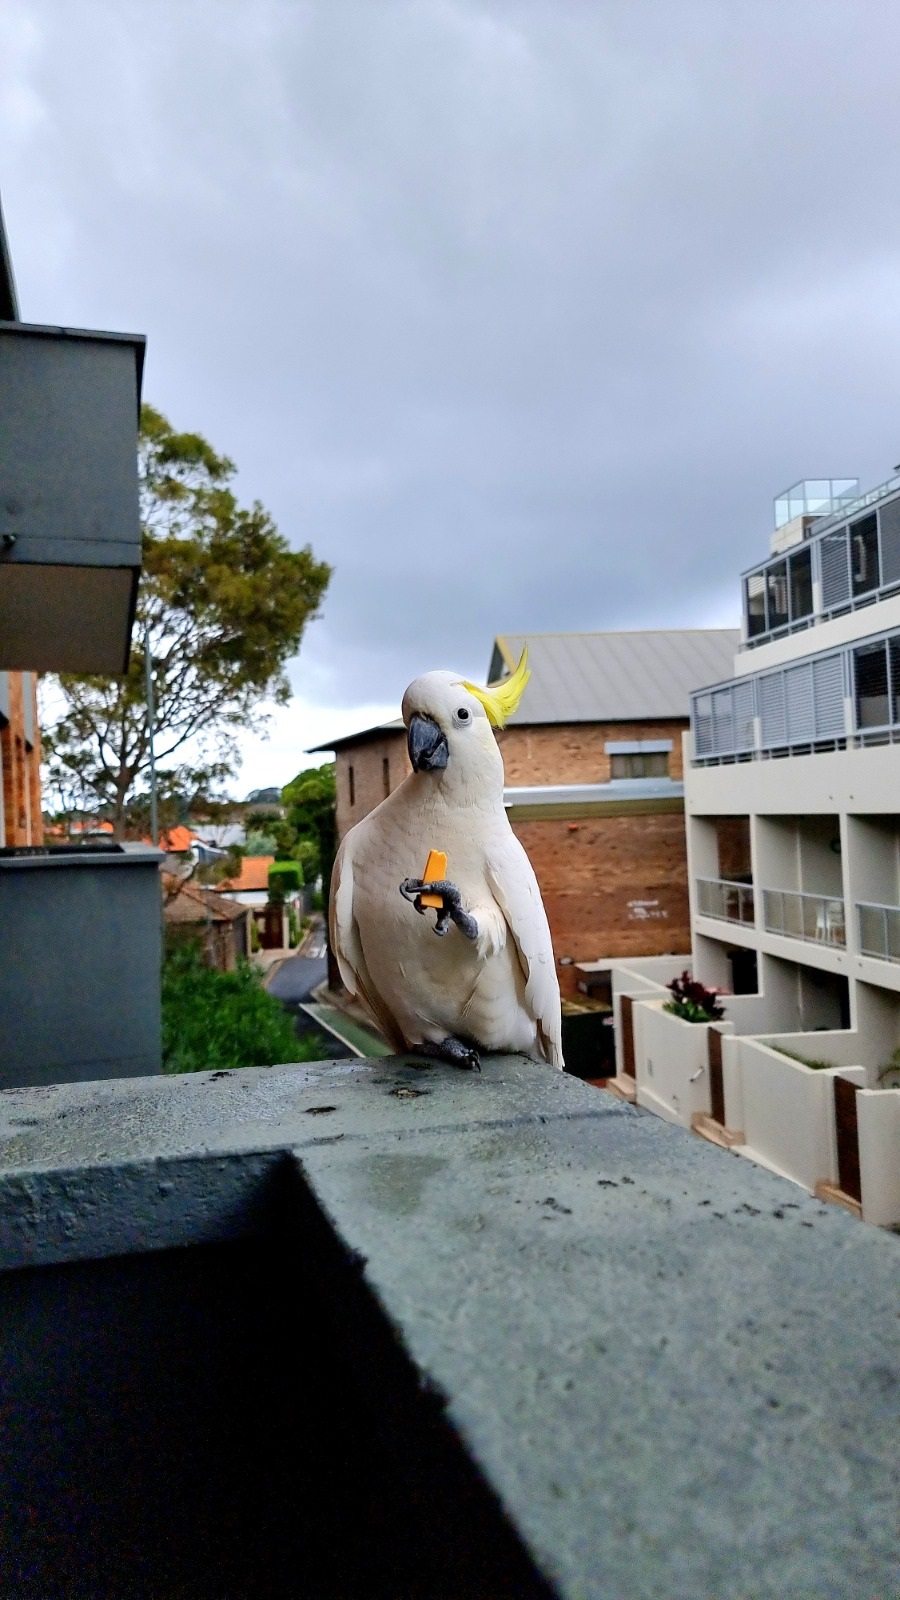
x: 435, y: 869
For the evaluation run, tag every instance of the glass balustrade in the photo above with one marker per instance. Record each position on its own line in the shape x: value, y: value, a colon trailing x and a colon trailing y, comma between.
x: 879, y: 930
x: 817, y: 917
x: 722, y: 898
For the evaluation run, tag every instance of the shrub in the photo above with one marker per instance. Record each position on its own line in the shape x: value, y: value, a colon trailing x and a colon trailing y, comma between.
x: 283, y: 877
x: 692, y: 1001
x: 224, y: 1020
x: 259, y: 842
x: 805, y: 1061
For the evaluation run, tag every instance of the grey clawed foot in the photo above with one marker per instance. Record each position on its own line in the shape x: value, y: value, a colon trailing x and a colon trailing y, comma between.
x: 456, y: 1051
x: 451, y: 909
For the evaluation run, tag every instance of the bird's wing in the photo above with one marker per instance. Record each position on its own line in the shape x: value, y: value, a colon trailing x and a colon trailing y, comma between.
x: 347, y: 946
x: 514, y: 887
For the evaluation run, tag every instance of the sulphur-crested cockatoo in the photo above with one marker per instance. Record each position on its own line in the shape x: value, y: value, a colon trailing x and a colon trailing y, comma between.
x: 481, y: 975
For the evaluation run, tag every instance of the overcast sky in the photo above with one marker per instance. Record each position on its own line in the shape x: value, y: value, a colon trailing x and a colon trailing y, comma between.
x: 519, y: 313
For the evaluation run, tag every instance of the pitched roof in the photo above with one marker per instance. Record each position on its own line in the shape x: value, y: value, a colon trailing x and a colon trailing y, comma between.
x: 362, y: 737
x: 175, y: 841
x: 615, y: 677
x: 191, y: 902
x: 254, y: 874
x: 639, y: 676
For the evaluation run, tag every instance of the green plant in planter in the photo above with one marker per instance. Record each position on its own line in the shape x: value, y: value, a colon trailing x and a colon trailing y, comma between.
x: 805, y: 1061
x: 692, y: 1001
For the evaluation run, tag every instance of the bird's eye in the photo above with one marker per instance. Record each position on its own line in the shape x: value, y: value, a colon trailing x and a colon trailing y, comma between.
x: 463, y: 715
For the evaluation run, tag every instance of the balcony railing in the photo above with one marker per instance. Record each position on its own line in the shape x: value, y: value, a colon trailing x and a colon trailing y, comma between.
x: 847, y: 695
x: 722, y: 898
x: 879, y: 930
x: 817, y: 917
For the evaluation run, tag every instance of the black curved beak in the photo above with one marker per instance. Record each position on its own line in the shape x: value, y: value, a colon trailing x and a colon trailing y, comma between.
x: 427, y: 745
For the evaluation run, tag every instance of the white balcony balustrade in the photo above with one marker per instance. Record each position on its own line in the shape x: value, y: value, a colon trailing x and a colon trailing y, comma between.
x: 816, y: 917
x: 725, y: 899
x: 879, y: 930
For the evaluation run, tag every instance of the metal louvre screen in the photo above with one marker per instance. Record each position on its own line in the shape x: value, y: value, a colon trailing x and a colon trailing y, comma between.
x: 835, y: 569
x: 828, y: 690
x: 701, y: 718
x: 771, y: 710
x: 889, y: 530
x: 801, y: 719
x: 723, y: 722
x: 743, y: 705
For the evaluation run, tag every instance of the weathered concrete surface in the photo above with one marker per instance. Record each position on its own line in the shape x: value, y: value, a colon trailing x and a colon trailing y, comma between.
x: 679, y: 1373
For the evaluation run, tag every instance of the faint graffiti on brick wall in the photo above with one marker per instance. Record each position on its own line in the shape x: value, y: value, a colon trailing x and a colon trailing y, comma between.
x: 646, y: 911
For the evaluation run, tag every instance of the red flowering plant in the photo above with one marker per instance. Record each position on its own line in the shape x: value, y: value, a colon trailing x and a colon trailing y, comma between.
x: 692, y: 1001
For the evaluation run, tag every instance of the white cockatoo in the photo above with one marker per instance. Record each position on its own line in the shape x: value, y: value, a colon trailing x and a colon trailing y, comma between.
x: 482, y: 974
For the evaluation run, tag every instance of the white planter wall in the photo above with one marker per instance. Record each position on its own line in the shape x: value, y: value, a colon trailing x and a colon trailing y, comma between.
x: 878, y: 1118
x: 788, y: 1113
x: 670, y: 1063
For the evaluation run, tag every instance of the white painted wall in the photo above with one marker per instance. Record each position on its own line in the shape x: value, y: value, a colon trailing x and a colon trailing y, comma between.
x: 878, y: 1119
x: 670, y: 1063
x: 787, y: 1113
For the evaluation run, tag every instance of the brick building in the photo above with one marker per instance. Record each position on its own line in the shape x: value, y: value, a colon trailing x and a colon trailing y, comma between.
x: 594, y: 790
x: 21, y: 822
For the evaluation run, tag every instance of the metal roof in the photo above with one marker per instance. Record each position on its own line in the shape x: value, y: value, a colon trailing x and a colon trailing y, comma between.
x: 363, y: 736
x: 615, y: 677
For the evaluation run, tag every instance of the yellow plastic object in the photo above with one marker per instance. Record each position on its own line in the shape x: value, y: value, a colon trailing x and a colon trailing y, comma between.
x: 435, y: 869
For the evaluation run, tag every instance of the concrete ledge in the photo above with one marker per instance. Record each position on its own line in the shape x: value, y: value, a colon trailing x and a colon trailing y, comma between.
x: 677, y: 1373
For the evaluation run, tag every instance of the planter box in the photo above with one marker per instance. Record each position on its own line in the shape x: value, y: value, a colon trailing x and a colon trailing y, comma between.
x: 671, y: 1058
x: 80, y: 973
x: 788, y: 1113
x: 70, y: 539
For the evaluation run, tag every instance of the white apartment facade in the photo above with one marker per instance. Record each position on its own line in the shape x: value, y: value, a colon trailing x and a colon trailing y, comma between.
x: 792, y: 789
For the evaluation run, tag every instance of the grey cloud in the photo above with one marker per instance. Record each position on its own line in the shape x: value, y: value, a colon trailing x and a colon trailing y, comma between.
x: 520, y: 313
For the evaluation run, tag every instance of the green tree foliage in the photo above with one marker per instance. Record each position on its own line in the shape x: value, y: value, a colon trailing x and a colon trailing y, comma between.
x: 310, y: 802
x: 222, y: 1020
x: 222, y: 605
x: 259, y: 843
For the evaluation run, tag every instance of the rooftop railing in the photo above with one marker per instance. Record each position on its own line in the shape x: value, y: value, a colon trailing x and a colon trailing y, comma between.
x: 849, y: 561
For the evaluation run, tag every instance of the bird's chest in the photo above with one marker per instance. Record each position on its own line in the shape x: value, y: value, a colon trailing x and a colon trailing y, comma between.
x: 391, y: 928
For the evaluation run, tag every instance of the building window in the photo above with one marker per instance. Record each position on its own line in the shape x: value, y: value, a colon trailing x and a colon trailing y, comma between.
x: 350, y: 780
x: 864, y: 555
x: 642, y: 764
x: 871, y: 671
x: 386, y: 775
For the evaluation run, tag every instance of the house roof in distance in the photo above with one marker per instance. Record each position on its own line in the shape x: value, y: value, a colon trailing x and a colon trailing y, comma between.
x: 191, y: 902
x: 615, y: 677
x: 254, y: 875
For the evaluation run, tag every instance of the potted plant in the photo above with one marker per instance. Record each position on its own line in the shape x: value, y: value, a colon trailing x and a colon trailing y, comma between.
x: 692, y: 1001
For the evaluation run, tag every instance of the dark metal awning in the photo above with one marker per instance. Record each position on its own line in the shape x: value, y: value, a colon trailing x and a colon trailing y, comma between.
x: 70, y: 536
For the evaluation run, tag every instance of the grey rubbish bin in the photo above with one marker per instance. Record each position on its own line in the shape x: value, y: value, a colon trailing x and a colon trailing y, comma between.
x: 80, y: 950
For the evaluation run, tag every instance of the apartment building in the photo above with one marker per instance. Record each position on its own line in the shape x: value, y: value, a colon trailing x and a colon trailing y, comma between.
x: 21, y: 822
x: 792, y: 787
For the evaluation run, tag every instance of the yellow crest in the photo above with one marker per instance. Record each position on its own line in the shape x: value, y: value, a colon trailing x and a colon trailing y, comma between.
x: 500, y: 700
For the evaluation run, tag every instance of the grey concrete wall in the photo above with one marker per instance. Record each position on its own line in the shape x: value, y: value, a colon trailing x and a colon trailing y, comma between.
x: 80, y: 966
x: 668, y: 1372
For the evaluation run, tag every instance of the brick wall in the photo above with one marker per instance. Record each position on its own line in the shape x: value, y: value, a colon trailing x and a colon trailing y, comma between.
x: 363, y: 779
x: 733, y: 840
x: 612, y: 885
x: 573, y: 752
x: 21, y: 763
